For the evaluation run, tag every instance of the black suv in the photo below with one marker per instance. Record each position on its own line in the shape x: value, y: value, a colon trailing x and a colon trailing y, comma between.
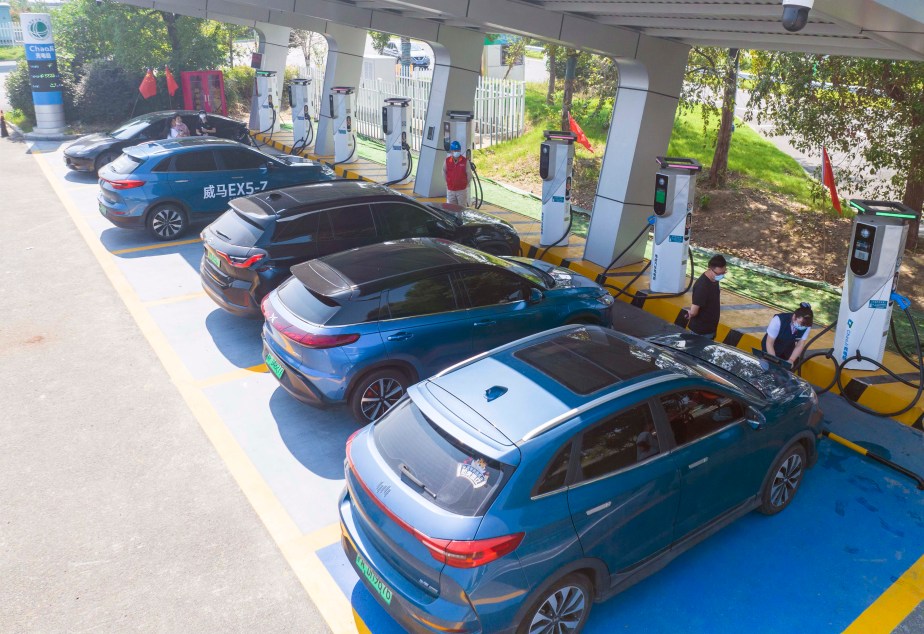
x: 251, y: 247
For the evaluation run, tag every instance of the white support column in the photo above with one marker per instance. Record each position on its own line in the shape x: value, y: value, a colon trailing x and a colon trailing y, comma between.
x: 345, y: 47
x: 640, y: 130
x: 457, y: 66
x: 274, y: 45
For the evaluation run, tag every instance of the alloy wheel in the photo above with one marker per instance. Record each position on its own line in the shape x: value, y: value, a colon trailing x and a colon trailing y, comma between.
x: 380, y: 396
x: 560, y: 613
x: 167, y: 222
x: 786, y: 480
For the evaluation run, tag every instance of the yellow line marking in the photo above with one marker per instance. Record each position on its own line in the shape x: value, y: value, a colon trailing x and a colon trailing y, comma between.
x: 175, y: 299
x: 159, y: 245
x: 336, y: 610
x: 233, y: 375
x: 894, y: 605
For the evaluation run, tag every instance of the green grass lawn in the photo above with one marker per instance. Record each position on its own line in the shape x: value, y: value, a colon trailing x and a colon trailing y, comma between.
x: 10, y: 53
x: 757, y: 162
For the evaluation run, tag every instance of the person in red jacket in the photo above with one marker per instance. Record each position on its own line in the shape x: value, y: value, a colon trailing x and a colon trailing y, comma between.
x: 455, y: 169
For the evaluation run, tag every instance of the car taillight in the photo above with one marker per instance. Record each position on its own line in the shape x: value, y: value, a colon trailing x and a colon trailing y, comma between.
x: 240, y: 262
x: 124, y: 183
x: 311, y: 340
x: 452, y: 552
x: 471, y: 553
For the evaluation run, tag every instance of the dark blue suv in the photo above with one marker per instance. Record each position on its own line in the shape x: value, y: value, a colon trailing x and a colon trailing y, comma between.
x: 165, y: 186
x: 512, y: 491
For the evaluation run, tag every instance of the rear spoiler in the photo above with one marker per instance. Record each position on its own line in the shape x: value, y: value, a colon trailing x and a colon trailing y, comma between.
x: 321, y: 281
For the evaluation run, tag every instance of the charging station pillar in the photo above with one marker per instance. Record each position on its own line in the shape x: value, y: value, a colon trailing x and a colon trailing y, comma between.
x: 458, y: 127
x: 265, y: 99
x: 556, y: 162
x: 877, y: 245
x: 302, y: 126
x: 675, y: 192
x: 341, y: 113
x: 397, y: 149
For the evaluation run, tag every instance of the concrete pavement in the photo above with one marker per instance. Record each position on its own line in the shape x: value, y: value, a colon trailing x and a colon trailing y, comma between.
x: 117, y: 512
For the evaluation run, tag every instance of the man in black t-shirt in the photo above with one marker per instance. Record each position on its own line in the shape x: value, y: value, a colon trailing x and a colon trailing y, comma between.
x: 704, y: 312
x: 204, y: 127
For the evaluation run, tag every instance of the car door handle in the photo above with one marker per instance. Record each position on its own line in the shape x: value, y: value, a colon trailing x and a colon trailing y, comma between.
x: 400, y: 336
x: 182, y: 180
x: 699, y: 463
x: 598, y: 508
x: 485, y: 322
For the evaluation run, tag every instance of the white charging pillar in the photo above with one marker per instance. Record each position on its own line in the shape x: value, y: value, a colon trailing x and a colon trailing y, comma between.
x: 877, y: 245
x: 675, y: 192
x: 341, y: 112
x: 397, y: 149
x: 302, y: 126
x: 265, y: 99
x: 556, y: 162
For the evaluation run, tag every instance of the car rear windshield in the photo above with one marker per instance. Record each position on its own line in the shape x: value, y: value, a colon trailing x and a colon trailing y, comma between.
x: 236, y: 228
x: 305, y: 304
x: 126, y: 164
x: 436, y: 465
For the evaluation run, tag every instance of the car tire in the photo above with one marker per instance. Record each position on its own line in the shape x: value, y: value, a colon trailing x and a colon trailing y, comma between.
x: 563, y: 608
x: 104, y: 159
x: 376, y: 393
x: 167, y: 222
x: 783, y: 480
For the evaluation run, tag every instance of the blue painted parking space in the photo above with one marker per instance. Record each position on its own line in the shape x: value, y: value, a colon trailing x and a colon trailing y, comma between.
x: 852, y: 530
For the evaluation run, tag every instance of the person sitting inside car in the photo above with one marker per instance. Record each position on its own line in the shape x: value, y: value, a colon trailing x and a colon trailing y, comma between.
x: 177, y: 128
x: 204, y: 127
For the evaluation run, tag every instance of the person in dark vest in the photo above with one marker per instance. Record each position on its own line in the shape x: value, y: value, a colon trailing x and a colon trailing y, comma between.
x: 706, y: 306
x: 204, y: 127
x: 788, y: 333
x: 455, y: 169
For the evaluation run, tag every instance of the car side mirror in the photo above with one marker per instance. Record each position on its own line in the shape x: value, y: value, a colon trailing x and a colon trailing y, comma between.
x: 535, y: 296
x: 755, y: 419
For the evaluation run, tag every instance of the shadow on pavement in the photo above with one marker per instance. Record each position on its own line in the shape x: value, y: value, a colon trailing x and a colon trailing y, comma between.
x: 236, y: 338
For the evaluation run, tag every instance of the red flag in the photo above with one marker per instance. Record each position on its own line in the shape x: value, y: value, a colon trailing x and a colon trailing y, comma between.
x: 172, y: 86
x: 827, y: 179
x: 148, y: 87
x: 581, y: 137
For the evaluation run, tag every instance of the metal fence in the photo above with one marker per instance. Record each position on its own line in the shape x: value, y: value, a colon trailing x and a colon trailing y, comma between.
x: 10, y: 33
x: 500, y: 106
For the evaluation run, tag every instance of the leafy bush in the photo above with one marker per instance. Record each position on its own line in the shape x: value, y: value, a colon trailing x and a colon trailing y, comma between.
x: 238, y: 87
x: 106, y: 93
x: 19, y: 92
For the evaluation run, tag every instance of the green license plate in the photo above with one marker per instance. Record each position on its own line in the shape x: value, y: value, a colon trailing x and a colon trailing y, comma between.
x: 102, y: 209
x: 274, y: 366
x: 377, y: 584
x: 214, y: 259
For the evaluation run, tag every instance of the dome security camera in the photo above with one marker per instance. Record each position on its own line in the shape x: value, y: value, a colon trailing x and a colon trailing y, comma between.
x: 795, y: 14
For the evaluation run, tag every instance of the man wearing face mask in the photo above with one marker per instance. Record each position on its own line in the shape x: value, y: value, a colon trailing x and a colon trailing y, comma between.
x: 788, y: 333
x: 455, y: 169
x: 204, y: 127
x: 704, y: 312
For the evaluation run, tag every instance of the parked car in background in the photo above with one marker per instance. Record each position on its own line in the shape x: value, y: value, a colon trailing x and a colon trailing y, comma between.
x: 250, y: 249
x: 509, y: 493
x: 361, y: 326
x: 165, y: 186
x: 420, y: 57
x: 90, y: 152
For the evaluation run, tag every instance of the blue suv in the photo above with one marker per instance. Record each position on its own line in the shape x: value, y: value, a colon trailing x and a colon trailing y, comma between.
x: 362, y: 325
x: 165, y: 186
x: 512, y: 491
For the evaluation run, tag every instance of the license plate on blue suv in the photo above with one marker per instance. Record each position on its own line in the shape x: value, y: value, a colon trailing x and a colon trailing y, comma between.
x: 274, y: 366
x: 377, y: 584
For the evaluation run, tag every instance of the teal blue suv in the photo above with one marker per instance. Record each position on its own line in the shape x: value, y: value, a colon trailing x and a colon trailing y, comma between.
x: 166, y: 186
x: 512, y: 491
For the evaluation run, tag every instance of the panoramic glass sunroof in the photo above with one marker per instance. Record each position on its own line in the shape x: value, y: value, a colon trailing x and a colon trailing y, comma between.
x: 585, y: 361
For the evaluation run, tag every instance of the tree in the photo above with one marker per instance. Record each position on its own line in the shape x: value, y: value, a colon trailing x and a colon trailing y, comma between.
x: 570, y: 73
x: 514, y: 53
x: 712, y: 77
x: 551, y: 53
x: 869, y: 108
x: 379, y: 40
